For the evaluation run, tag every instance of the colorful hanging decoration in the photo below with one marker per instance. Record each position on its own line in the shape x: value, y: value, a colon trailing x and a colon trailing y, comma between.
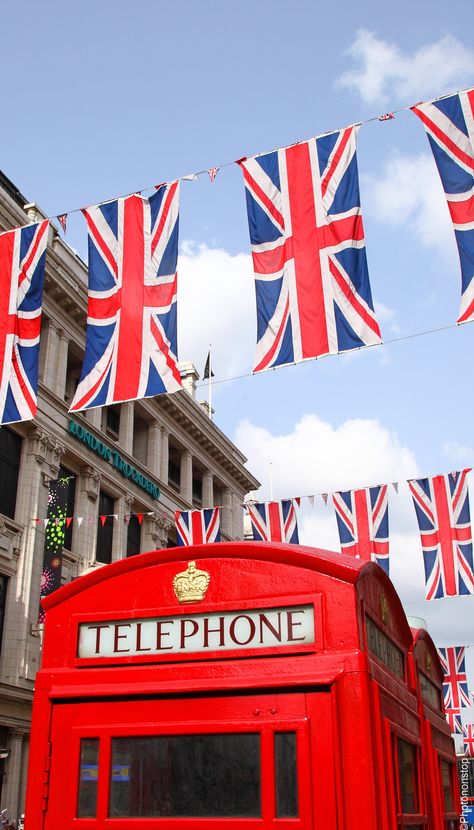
x: 442, y: 509
x: 54, y: 539
x: 387, y: 116
x: 449, y: 123
x: 362, y: 521
x: 455, y: 690
x: 198, y: 527
x: 311, y: 279
x: 131, y: 338
x: 22, y: 260
x: 274, y: 521
x: 213, y: 171
x: 62, y: 219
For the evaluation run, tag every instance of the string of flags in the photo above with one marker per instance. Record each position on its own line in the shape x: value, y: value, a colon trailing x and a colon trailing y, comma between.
x: 312, y: 289
x: 103, y: 518
x: 441, y: 505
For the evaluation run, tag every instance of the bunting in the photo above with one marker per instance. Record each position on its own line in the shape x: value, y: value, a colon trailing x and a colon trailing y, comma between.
x: 22, y: 260
x: 468, y: 738
x: 442, y: 509
x: 449, y: 124
x: 455, y: 690
x: 453, y: 717
x: 274, y: 521
x: 198, y: 527
x: 131, y: 337
x: 311, y: 280
x: 362, y: 520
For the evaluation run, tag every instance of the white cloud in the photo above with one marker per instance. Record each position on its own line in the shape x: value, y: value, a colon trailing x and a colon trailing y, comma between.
x: 409, y: 192
x: 216, y: 306
x: 318, y: 457
x: 458, y: 452
x: 384, y: 73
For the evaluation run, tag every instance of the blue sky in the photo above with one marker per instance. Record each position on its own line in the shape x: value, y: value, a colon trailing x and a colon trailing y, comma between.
x: 101, y: 99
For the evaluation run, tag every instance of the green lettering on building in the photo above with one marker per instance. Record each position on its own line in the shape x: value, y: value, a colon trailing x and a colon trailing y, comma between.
x: 114, y: 458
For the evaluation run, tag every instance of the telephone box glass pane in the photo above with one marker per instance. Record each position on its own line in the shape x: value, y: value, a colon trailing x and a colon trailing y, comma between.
x: 447, y: 786
x: 186, y: 776
x: 89, y: 769
x: 408, y: 777
x: 286, y: 777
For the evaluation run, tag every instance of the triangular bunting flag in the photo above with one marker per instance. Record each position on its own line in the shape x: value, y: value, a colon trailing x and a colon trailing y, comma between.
x: 79, y: 520
x: 386, y: 117
x: 62, y: 219
x: 395, y: 486
x: 103, y: 519
x: 311, y: 500
x: 213, y: 171
x: 325, y: 497
x: 68, y: 520
x: 45, y: 522
x: 297, y: 499
x: 139, y: 517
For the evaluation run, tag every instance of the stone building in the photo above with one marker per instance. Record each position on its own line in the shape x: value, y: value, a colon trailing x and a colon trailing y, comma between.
x: 134, y: 464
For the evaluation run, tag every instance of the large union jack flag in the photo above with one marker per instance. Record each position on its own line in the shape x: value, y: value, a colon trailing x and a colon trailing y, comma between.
x: 453, y: 717
x: 22, y: 260
x: 311, y: 280
x: 449, y: 124
x: 274, y: 521
x: 442, y: 509
x: 362, y: 521
x: 468, y: 736
x: 198, y: 527
x: 131, y: 336
x: 455, y: 689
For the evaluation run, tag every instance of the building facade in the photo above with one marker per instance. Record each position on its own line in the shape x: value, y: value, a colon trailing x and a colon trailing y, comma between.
x: 129, y: 467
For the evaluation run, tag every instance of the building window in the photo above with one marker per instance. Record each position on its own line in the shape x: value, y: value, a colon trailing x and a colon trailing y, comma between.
x: 140, y: 439
x: 105, y: 528
x: 10, y: 456
x: 174, y: 467
x: 133, y: 536
x: 70, y: 504
x: 407, y: 777
x: 73, y: 373
x: 111, y: 423
x: 197, y: 489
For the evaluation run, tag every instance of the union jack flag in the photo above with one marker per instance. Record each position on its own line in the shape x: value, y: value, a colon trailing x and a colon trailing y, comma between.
x: 455, y: 690
x: 131, y: 336
x: 311, y: 280
x: 449, y: 124
x: 22, y: 260
x: 362, y: 521
x: 442, y: 509
x: 468, y: 735
x: 274, y: 521
x: 453, y: 716
x: 198, y: 527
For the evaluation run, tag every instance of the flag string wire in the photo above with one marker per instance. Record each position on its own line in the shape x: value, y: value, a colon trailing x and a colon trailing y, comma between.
x: 195, y: 176
x: 335, y: 354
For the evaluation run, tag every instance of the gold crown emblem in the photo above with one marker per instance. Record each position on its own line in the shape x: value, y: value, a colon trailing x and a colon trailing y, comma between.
x: 191, y: 585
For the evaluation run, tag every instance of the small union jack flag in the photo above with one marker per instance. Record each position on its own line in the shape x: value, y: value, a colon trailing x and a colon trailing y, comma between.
x: 22, y: 260
x: 62, y: 219
x: 131, y: 337
x: 449, y: 124
x: 308, y: 249
x: 468, y: 736
x: 387, y: 116
x: 213, y: 171
x: 453, y: 716
x: 456, y: 692
x: 362, y: 520
x: 274, y: 521
x: 198, y: 527
x: 442, y: 509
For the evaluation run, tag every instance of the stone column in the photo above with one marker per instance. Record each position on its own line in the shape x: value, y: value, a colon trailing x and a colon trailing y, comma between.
x: 119, y: 546
x: 59, y: 383
x: 187, y: 476
x: 237, y: 517
x: 12, y: 784
x: 85, y: 534
x: 207, y: 489
x: 154, y: 448
x: 94, y: 416
x: 48, y: 354
x: 39, y: 463
x: 126, y: 427
x: 226, y: 512
x: 165, y: 435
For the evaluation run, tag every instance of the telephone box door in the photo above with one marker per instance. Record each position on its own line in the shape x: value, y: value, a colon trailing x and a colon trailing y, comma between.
x: 192, y: 762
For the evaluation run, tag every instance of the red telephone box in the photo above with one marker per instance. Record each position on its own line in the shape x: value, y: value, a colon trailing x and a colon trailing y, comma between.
x: 235, y: 685
x: 438, y: 755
